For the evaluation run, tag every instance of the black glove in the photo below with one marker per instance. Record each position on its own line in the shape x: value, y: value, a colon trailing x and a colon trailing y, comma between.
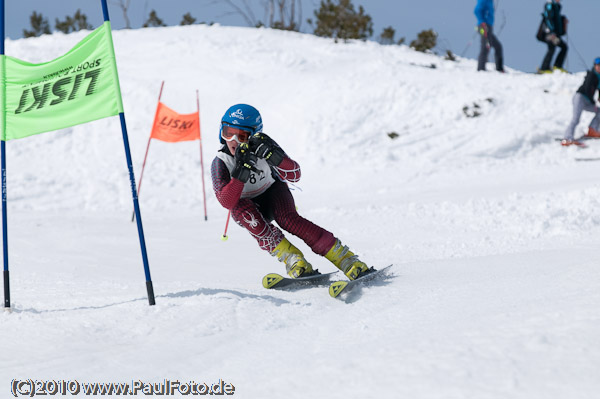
x: 245, y: 162
x: 264, y: 147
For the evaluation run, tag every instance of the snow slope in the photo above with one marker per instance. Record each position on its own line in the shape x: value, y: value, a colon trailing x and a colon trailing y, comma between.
x: 492, y: 226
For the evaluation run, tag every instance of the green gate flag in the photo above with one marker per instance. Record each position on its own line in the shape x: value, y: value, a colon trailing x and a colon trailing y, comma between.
x: 78, y: 87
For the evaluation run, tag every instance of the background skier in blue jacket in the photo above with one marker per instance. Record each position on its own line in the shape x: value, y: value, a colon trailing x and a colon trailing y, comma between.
x: 555, y: 27
x: 484, y: 11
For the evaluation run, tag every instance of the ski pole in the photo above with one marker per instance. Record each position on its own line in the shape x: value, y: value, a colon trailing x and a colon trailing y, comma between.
x: 469, y: 43
x: 224, y: 236
x: 201, y: 159
x: 576, y: 51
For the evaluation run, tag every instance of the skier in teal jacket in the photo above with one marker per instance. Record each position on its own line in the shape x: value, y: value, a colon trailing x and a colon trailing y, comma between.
x: 555, y: 27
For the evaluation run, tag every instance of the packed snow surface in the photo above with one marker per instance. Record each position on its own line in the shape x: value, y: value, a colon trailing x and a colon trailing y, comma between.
x: 493, y: 228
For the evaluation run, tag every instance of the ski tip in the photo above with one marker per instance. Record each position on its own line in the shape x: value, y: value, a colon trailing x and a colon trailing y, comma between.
x: 271, y: 280
x: 336, y: 288
x: 385, y: 268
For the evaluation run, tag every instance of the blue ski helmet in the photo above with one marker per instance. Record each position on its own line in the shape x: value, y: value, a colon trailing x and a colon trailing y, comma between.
x: 242, y: 116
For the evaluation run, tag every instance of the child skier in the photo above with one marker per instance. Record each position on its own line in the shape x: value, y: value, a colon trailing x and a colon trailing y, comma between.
x: 249, y: 177
x: 584, y: 101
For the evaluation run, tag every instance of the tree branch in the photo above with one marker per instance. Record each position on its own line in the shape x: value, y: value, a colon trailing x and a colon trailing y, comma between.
x: 124, y: 6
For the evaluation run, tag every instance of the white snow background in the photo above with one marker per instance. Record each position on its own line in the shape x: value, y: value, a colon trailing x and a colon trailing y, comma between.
x: 493, y: 228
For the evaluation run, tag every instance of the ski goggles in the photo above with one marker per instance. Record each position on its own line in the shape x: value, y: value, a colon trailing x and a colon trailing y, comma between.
x: 237, y: 133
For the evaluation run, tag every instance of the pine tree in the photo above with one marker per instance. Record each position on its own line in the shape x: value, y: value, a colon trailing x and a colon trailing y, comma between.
x: 188, y: 19
x: 73, y: 24
x: 426, y: 40
x: 80, y: 22
x: 39, y: 26
x: 341, y: 21
x: 153, y: 20
x: 387, y: 36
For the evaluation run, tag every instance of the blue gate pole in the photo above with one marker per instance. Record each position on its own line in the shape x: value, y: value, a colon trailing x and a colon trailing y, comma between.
x: 3, y: 162
x: 136, y: 205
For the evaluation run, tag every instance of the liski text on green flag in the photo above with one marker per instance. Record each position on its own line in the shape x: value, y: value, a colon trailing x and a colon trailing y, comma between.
x: 78, y: 87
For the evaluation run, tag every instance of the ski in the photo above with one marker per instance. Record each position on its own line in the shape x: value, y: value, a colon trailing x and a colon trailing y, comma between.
x: 277, y: 281
x: 576, y: 142
x: 582, y: 138
x: 336, y: 288
x: 587, y: 159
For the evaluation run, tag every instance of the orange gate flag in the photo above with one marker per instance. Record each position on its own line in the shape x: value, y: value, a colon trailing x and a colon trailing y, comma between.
x: 172, y: 127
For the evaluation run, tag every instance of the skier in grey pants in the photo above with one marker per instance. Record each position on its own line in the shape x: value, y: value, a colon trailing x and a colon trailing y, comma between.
x: 584, y: 101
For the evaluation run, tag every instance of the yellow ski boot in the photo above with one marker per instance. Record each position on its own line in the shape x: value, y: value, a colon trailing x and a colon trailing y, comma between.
x: 295, y: 264
x: 346, y: 261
